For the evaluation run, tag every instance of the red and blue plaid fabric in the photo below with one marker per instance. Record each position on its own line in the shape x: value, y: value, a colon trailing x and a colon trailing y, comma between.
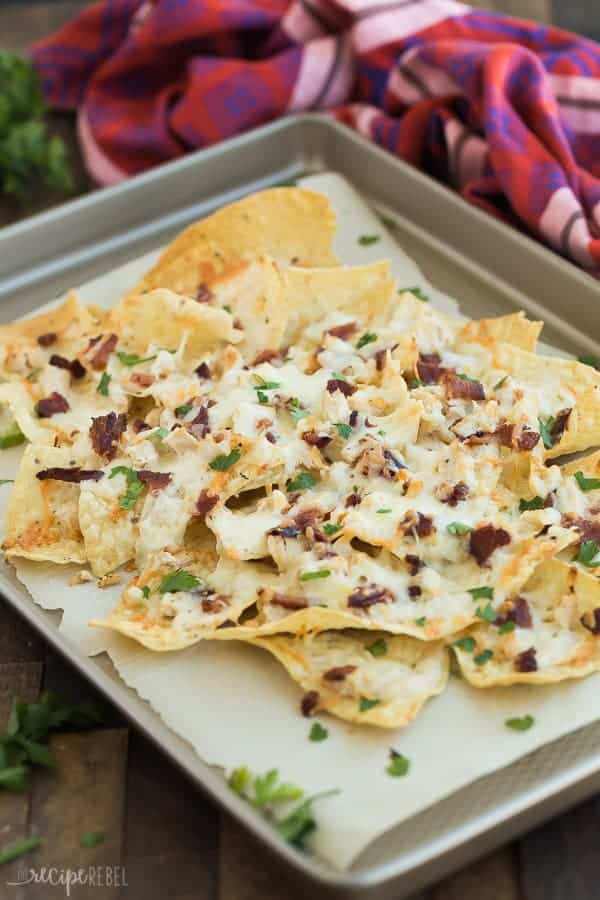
x: 506, y: 111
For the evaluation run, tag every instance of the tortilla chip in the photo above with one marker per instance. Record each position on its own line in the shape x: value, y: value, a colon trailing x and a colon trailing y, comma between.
x: 515, y: 329
x: 42, y: 520
x: 398, y: 675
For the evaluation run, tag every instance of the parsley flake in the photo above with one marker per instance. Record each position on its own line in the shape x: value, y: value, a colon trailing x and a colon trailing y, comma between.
x: 500, y: 383
x: 365, y: 240
x: 103, y: 384
x: 458, y: 528
x: 183, y: 410
x: 399, y: 765
x: 481, y: 593
x: 534, y: 503
x: 378, y: 647
x: 343, y: 430
x: 507, y: 627
x: 145, y: 592
x: 383, y: 510
x: 7, y: 480
x: 317, y: 733
x: 225, y: 461
x: 520, y: 724
x: 482, y: 658
x: 132, y: 359
x: 331, y: 528
x: 135, y: 486
x: 12, y: 437
x: 466, y: 643
x: 364, y: 704
x: 159, y: 434
x: 488, y: 613
x: 587, y: 553
x: 180, y: 580
x: 417, y: 291
x: 263, y: 385
x: 302, y: 482
x: 587, y: 484
x: 369, y: 337
x: 546, y: 426
x: 318, y: 573
x: 296, y: 411
x: 421, y: 622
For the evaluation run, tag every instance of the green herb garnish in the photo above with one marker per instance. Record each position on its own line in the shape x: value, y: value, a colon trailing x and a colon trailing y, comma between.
x: 331, y: 528
x: 586, y: 554
x: 520, y: 724
x: 481, y: 593
x: 135, y: 486
x: 296, y: 411
x: 419, y: 294
x: 103, y: 384
x: 383, y: 510
x: 365, y: 240
x: 317, y: 732
x: 132, y: 359
x: 343, y: 430
x: 91, y: 839
x: 302, y: 482
x: 369, y: 337
x: 263, y: 385
x: 364, y: 704
x: 398, y: 765
x: 482, y: 658
x: 534, y: 503
x: 7, y: 480
x: 19, y: 848
x: 378, y: 647
x: 225, y: 461
x: 458, y: 528
x: 183, y: 410
x: 546, y: 426
x: 318, y: 573
x: 421, y: 622
x: 467, y: 644
x: 499, y: 384
x: 507, y: 627
x: 180, y: 580
x: 587, y: 484
x: 145, y: 592
x: 13, y: 436
x: 159, y: 434
x: 488, y: 613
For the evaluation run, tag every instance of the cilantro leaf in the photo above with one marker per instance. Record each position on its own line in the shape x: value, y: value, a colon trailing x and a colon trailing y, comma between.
x: 296, y: 411
x: 183, y: 410
x: 369, y: 337
x: 159, y: 434
x: 520, y: 724
x: 466, y: 643
x: 343, y: 430
x: 534, y: 503
x: 318, y: 733
x: 364, y: 704
x: 300, y: 822
x: 587, y: 553
x: 507, y: 627
x: 319, y: 573
x: 262, y: 397
x: 268, y: 789
x: 500, y: 383
x: 587, y: 484
x: 135, y: 486
x: 421, y: 622
x: 331, y: 528
x: 481, y: 593
x: 132, y: 359
x: 302, y: 482
x: 458, y: 528
x: 488, y: 613
x: 399, y: 765
x: 378, y: 647
x: 546, y: 426
x: 145, y: 592
x: 419, y: 294
x: 383, y: 511
x: 12, y: 437
x: 180, y: 580
x: 482, y: 658
x: 365, y: 240
x: 18, y: 848
x: 103, y: 384
x: 239, y: 779
x: 262, y: 385
x: 225, y: 461
x: 91, y: 839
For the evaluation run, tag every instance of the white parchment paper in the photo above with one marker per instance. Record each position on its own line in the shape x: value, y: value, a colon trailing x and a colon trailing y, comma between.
x: 236, y: 705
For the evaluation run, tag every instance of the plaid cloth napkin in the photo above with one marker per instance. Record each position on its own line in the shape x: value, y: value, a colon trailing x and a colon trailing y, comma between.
x: 506, y: 111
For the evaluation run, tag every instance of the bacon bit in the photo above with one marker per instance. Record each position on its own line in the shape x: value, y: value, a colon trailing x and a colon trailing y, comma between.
x: 414, y: 563
x: 267, y: 356
x: 46, y: 340
x: 380, y: 360
x: 518, y: 612
x: 100, y: 357
x: 156, y: 481
x: 203, y: 370
x: 414, y: 590
x: 204, y: 293
x: 429, y: 367
x: 504, y: 433
x: 591, y: 620
x: 526, y: 661
x: 286, y: 531
x: 109, y: 580
x: 353, y: 418
x: 75, y: 475
x: 289, y: 602
x: 393, y: 465
x: 314, y: 439
x: 270, y: 437
x: 560, y: 423
x: 483, y: 541
x: 140, y: 425
x: 353, y: 500
x: 344, y: 332
x: 309, y: 702
x: 48, y: 406
x: 205, y: 503
x: 338, y: 673
x: 528, y: 439
x: 199, y: 426
x: 143, y: 379
x: 105, y: 433
x: 71, y: 365
x: 458, y: 493
x: 364, y: 597
x: 459, y: 388
x: 337, y: 384
x: 590, y: 531
x: 211, y: 602
x: 417, y: 525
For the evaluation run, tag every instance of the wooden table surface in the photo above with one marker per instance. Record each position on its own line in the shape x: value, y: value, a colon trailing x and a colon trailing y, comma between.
x: 169, y: 838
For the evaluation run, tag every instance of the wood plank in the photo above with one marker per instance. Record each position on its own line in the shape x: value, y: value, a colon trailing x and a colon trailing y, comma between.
x: 494, y: 878
x: 560, y: 859
x: 172, y: 830
x: 18, y: 641
x: 83, y: 793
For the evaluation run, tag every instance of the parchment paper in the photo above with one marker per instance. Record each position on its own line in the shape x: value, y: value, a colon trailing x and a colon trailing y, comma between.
x: 236, y: 705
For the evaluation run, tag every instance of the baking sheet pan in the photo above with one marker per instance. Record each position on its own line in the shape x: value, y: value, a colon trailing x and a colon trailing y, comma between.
x: 41, y: 257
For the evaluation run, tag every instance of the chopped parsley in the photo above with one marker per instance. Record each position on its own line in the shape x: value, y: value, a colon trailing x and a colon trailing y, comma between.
x: 488, y: 613
x: 225, y: 461
x: 364, y: 704
x: 507, y: 627
x: 302, y: 482
x: 418, y: 293
x: 378, y: 647
x: 524, y: 723
x: 481, y: 593
x: 369, y: 337
x: 12, y: 437
x: 132, y: 359
x: 343, y: 430
x: 180, y: 580
x: 318, y: 573
x: 546, y: 426
x: 145, y: 592
x: 464, y: 377
x: 534, y: 503
x: 135, y: 486
x: 482, y: 658
x: 458, y: 528
x: 159, y: 434
x: 7, y: 480
x: 589, y: 359
x: 466, y: 643
x: 103, y: 384
x: 421, y: 622
x: 317, y: 733
x: 227, y: 308
x: 398, y: 765
x: 296, y: 411
x: 331, y: 528
x: 383, y: 510
x: 183, y: 410
x: 587, y: 484
x: 18, y: 848
x: 365, y: 240
x: 91, y: 839
x: 500, y: 383
x: 262, y: 397
x: 262, y: 385
x: 587, y: 553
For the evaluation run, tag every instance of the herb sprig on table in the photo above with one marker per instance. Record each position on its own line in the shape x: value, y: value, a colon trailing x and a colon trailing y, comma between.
x: 27, y: 155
